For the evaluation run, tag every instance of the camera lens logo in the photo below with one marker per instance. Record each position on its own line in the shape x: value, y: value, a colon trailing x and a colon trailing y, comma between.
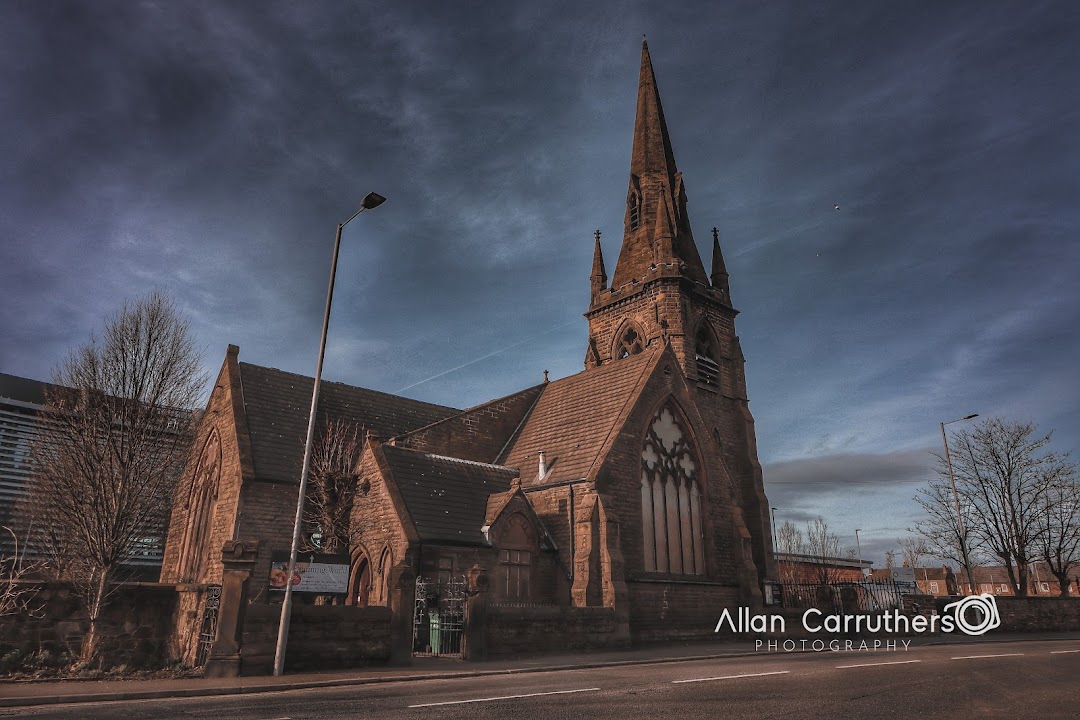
x: 985, y: 616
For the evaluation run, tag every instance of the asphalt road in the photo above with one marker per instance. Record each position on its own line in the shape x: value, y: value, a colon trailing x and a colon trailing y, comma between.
x: 1010, y: 680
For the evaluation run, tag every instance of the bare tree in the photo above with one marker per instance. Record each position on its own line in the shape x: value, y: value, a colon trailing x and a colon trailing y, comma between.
x: 1003, y: 477
x: 890, y: 559
x: 940, y: 527
x: 116, y: 431
x: 16, y: 595
x: 789, y: 542
x: 823, y: 547
x: 913, y: 549
x: 1059, y: 537
x: 334, y: 483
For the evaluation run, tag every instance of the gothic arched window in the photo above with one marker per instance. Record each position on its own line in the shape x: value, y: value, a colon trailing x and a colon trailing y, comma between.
x: 671, y: 499
x: 708, y: 368
x: 630, y: 343
x: 204, y: 488
x: 516, y: 551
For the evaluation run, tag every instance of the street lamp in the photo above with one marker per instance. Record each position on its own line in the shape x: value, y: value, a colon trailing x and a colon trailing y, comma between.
x: 859, y: 546
x: 371, y: 200
x: 775, y: 550
x: 956, y: 501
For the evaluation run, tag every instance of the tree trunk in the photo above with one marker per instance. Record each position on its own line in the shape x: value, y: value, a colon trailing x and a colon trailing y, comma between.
x: 90, y: 647
x: 1022, y: 577
x: 1063, y: 583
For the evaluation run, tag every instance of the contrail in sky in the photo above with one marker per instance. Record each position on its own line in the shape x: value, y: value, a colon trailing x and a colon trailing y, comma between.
x: 490, y: 354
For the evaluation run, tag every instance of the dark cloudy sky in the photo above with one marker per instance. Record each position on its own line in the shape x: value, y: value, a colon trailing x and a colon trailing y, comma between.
x: 211, y: 148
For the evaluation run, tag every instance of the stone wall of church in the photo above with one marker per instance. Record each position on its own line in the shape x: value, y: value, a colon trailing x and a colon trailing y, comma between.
x: 235, y: 465
x: 674, y: 309
x: 554, y: 507
x: 621, y: 477
x: 376, y: 527
x: 647, y: 309
x: 267, y: 512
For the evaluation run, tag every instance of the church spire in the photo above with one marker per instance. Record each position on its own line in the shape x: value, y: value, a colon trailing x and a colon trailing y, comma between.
x: 655, y: 183
x: 599, y: 275
x: 652, y: 152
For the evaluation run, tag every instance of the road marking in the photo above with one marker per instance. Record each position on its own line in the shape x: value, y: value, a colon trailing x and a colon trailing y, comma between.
x: 504, y: 697
x: 895, y: 662
x: 1062, y: 652
x: 732, y: 677
x: 976, y: 657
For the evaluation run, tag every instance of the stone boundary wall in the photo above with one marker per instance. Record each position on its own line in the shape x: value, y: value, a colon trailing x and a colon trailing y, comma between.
x: 514, y: 630
x: 321, y: 637
x: 1038, y: 614
x: 137, y: 624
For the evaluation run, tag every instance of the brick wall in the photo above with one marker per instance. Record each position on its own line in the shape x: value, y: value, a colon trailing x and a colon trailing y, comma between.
x: 514, y: 630
x: 137, y: 624
x: 320, y: 637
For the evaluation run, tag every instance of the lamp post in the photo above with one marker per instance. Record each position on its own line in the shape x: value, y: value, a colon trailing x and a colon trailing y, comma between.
x: 956, y: 501
x: 775, y: 549
x: 371, y: 200
x: 859, y: 546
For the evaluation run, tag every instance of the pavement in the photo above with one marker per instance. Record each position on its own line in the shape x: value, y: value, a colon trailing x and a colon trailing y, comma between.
x: 21, y: 693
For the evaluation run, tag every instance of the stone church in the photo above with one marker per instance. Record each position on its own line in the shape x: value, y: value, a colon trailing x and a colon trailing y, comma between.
x: 633, y: 485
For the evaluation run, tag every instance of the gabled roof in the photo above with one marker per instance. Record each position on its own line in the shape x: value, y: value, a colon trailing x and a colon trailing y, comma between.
x: 446, y: 498
x: 575, y: 418
x: 277, y: 404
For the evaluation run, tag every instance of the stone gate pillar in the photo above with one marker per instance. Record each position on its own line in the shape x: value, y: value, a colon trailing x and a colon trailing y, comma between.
x: 402, y: 583
x: 238, y: 558
x: 475, y: 640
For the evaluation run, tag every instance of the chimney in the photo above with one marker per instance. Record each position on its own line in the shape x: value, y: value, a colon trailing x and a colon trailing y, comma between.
x: 543, y: 465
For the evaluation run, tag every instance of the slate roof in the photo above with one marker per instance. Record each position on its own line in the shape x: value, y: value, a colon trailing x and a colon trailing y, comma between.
x: 277, y: 403
x: 575, y: 416
x: 446, y: 498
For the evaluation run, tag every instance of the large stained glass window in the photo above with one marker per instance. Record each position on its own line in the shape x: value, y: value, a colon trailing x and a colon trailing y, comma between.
x: 671, y: 498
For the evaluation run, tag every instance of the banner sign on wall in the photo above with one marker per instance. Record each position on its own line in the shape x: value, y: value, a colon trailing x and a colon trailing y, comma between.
x: 327, y: 574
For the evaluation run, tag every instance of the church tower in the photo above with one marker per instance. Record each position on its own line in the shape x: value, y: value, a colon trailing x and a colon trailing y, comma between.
x: 660, y: 293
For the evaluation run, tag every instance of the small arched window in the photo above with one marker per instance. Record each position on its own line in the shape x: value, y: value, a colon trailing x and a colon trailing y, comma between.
x: 671, y: 499
x: 361, y: 582
x: 386, y: 563
x: 708, y: 368
x: 630, y: 343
